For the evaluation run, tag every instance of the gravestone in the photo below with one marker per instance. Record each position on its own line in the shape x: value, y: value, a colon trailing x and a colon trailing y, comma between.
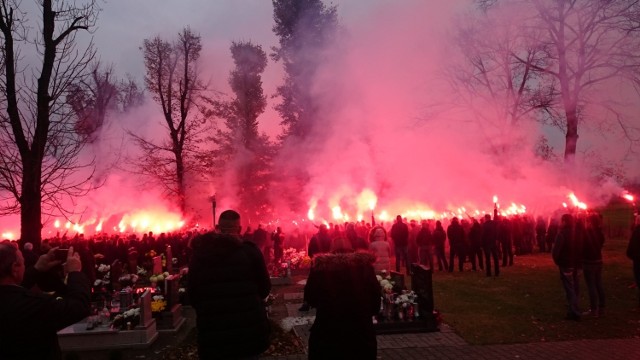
x: 421, y: 284
x: 169, y: 259
x: 145, y: 308
x: 171, y: 318
x: 398, y: 280
x: 157, y: 265
x: 78, y: 337
x: 171, y: 290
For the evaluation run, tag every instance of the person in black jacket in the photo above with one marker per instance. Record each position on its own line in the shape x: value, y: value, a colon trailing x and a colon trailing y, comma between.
x: 30, y: 320
x: 227, y: 284
x: 455, y: 233
x: 475, y: 245
x: 490, y: 245
x: 343, y: 288
x: 567, y: 254
x: 592, y: 265
x: 400, y: 235
x: 633, y: 253
x: 439, y: 239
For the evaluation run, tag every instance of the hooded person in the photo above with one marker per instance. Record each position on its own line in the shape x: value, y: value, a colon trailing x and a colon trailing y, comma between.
x: 343, y: 287
x: 227, y: 284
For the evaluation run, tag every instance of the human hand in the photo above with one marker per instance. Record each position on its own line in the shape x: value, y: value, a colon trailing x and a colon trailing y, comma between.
x: 47, y: 261
x: 73, y: 262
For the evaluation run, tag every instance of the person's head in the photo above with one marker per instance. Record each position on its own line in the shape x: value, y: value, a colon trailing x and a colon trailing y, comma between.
x: 438, y: 224
x: 487, y: 217
x: 425, y: 224
x: 28, y: 246
x: 399, y: 219
x: 454, y: 221
x: 377, y: 233
x: 11, y: 264
x: 229, y: 222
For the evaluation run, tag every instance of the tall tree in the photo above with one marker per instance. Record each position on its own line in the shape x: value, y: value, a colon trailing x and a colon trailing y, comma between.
x: 304, y: 29
x: 588, y: 50
x: 172, y: 79
x: 241, y: 148
x: 38, y: 157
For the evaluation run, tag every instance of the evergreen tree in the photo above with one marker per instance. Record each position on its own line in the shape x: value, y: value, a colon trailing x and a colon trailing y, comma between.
x: 305, y: 28
x: 242, y: 150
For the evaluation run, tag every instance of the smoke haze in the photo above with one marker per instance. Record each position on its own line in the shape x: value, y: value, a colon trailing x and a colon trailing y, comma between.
x: 388, y: 124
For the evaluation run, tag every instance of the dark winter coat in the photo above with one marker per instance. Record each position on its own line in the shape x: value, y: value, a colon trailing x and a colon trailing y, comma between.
x: 567, y: 250
x: 475, y: 235
x: 489, y: 235
x: 424, y: 238
x: 30, y: 321
x: 346, y: 294
x: 593, y: 242
x: 227, y: 283
x: 400, y: 234
x: 633, y: 249
x: 320, y: 243
x: 439, y: 237
x: 455, y: 233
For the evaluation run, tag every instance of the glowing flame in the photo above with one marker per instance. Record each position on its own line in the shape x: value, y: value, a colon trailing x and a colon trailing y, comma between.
x: 310, y: 214
x: 8, y: 236
x: 67, y: 225
x: 495, y: 199
x: 56, y: 224
x: 337, y: 212
x: 99, y: 227
x: 628, y: 197
x: 384, y: 216
x: 577, y: 203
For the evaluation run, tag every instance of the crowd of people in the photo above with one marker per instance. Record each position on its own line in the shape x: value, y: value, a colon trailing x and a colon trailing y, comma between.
x: 228, y: 276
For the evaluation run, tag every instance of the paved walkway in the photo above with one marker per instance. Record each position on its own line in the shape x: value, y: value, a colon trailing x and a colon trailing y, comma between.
x: 446, y: 344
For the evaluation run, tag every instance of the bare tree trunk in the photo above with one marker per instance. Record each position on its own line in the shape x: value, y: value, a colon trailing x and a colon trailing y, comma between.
x: 571, y: 138
x: 30, y: 205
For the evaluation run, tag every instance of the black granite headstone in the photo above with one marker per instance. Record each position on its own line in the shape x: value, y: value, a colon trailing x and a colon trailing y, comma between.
x: 421, y: 284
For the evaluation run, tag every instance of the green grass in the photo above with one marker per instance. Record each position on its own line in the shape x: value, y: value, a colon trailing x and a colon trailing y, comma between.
x: 526, y: 303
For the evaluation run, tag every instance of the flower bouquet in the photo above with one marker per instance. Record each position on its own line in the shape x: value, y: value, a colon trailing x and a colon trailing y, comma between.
x: 158, y: 304
x: 127, y: 320
x: 406, y: 303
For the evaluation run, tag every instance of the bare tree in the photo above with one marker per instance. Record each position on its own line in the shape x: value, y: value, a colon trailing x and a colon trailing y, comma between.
x: 38, y: 158
x: 91, y: 98
x: 588, y: 49
x: 495, y: 87
x: 172, y: 79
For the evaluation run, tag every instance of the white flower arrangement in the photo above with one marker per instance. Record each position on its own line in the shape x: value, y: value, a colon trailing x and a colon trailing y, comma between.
x: 104, y: 268
x: 406, y: 298
x: 132, y: 312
